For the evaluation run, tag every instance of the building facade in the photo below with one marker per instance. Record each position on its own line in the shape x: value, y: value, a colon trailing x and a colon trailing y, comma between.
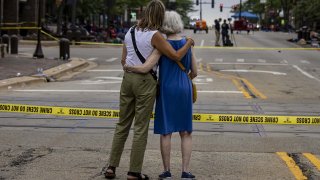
x: 20, y: 13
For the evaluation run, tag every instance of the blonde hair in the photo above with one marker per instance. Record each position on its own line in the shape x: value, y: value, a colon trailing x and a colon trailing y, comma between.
x: 172, y: 23
x: 153, y: 16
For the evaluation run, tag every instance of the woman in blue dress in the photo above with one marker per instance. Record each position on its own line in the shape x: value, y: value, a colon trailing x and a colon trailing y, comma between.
x: 174, y: 103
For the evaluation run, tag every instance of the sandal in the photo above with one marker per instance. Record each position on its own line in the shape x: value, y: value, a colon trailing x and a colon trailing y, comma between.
x: 111, y: 174
x: 137, y: 176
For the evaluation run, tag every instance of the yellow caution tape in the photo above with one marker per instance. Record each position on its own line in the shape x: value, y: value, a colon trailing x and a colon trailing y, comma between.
x: 17, y: 28
x: 20, y: 23
x: 208, y: 118
x: 56, y: 39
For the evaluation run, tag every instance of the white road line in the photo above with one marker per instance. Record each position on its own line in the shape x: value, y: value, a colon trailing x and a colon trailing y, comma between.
x: 284, y: 62
x: 109, y: 91
x: 92, y: 59
x: 304, y: 62
x: 202, y: 42
x: 111, y: 59
x: 99, y: 82
x: 108, y: 77
x: 209, y: 80
x: 227, y: 92
x: 262, y: 61
x: 218, y: 60
x: 199, y: 60
x: 261, y: 64
x: 305, y: 73
x: 254, y: 71
x: 240, y: 60
x: 68, y: 91
x: 105, y: 70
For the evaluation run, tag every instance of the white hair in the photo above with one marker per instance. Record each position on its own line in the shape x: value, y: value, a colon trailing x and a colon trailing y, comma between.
x: 172, y: 23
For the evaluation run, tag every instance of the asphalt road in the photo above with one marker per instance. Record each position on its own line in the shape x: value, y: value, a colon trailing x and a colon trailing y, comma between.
x: 262, y: 76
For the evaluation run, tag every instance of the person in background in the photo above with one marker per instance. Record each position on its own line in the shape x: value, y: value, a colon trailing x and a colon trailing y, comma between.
x: 217, y: 32
x: 138, y: 91
x: 224, y: 32
x: 174, y: 103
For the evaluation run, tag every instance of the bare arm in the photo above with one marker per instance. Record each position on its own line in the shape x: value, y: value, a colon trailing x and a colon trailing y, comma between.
x: 194, y: 68
x: 166, y: 49
x: 124, y: 55
x: 147, y: 66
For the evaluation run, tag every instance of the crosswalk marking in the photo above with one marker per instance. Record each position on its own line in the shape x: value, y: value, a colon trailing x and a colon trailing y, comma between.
x: 261, y: 64
x: 218, y: 60
x: 105, y: 70
x: 304, y: 62
x: 262, y: 61
x: 107, y: 91
x: 92, y: 59
x: 111, y: 59
x: 240, y: 60
x: 255, y: 71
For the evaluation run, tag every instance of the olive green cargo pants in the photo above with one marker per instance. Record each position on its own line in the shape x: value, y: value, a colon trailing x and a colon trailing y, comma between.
x: 137, y: 96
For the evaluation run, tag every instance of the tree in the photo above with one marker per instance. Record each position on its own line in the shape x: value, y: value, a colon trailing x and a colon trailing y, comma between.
x: 307, y: 13
x: 183, y: 7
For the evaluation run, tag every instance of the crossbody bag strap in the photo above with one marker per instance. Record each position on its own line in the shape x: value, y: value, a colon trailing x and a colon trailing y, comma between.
x: 182, y: 68
x: 142, y: 59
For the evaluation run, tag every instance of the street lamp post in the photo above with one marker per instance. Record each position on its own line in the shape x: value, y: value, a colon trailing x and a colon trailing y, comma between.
x: 38, y: 53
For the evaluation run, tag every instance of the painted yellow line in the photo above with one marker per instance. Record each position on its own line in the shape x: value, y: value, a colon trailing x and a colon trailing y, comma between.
x: 196, y: 117
x: 208, y: 68
x: 313, y: 159
x: 255, y: 48
x: 244, y: 92
x: 254, y: 89
x: 236, y: 80
x: 201, y: 67
x: 294, y: 168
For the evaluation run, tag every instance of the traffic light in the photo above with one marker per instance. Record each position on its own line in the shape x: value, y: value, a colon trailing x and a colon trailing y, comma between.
x: 221, y: 7
x: 197, y: 2
x: 212, y: 3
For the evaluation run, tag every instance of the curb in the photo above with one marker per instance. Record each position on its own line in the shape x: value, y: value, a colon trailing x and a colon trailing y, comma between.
x: 50, y: 74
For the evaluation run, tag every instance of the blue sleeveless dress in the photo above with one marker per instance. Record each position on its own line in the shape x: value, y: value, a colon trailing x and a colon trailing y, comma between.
x: 174, y: 104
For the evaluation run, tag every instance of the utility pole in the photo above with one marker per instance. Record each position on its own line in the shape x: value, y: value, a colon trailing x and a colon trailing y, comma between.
x: 201, y: 10
x: 240, y: 9
x: 1, y: 17
x: 74, y: 7
x: 38, y: 53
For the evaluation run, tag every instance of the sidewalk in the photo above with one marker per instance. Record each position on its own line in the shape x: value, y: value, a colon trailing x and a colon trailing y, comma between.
x: 17, y: 71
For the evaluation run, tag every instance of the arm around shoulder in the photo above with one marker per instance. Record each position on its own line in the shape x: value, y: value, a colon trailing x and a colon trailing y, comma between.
x: 147, y: 66
x: 166, y: 49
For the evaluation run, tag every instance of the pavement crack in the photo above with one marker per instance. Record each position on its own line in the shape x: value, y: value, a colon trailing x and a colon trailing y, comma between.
x: 306, y: 170
x: 29, y: 155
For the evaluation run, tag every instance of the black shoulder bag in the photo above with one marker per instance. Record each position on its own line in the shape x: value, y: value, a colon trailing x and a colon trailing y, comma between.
x: 142, y: 59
